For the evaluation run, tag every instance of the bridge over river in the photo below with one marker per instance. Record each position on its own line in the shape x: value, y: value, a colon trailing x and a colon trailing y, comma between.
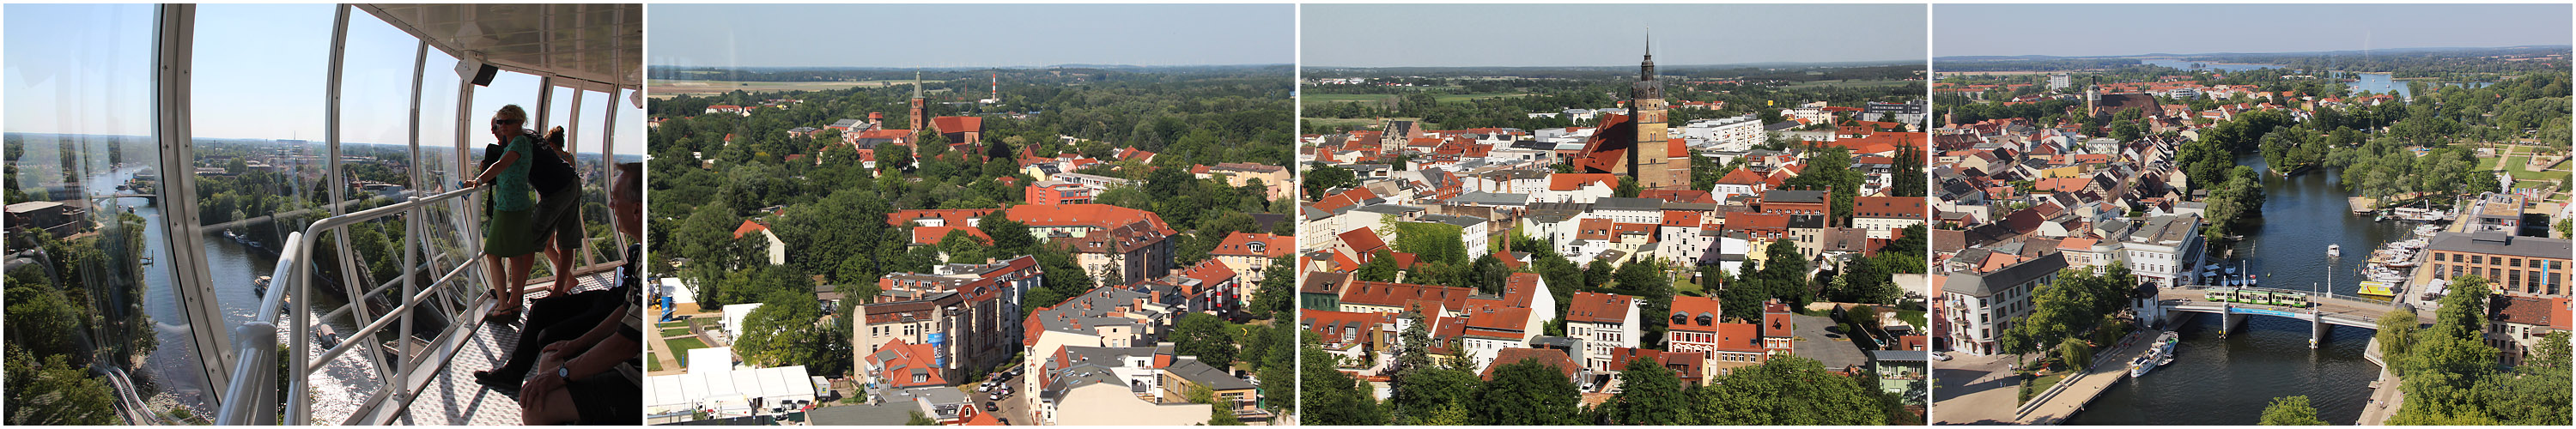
x: 2346, y: 310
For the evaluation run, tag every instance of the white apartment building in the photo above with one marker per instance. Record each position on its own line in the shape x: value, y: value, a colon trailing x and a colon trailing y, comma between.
x: 2164, y: 250
x: 1980, y: 306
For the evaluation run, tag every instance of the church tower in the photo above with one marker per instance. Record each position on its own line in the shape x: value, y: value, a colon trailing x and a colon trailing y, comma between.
x: 1653, y: 159
x: 917, y: 111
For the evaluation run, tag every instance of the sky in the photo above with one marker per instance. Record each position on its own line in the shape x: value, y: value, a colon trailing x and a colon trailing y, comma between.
x: 1545, y: 35
x: 260, y: 73
x: 2030, y: 29
x: 976, y: 35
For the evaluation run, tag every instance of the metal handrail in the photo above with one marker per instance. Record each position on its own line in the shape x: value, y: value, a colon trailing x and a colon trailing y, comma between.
x: 256, y: 340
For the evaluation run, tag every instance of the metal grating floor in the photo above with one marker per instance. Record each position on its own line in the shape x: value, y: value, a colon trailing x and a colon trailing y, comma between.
x: 453, y: 399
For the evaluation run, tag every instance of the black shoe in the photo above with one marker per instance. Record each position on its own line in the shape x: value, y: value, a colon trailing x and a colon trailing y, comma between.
x: 504, y: 384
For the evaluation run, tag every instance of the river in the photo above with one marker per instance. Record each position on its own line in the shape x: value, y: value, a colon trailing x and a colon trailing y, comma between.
x: 173, y: 369
x: 2228, y: 381
x: 2375, y: 83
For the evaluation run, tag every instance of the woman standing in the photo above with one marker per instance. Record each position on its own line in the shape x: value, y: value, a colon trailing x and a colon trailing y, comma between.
x: 506, y: 235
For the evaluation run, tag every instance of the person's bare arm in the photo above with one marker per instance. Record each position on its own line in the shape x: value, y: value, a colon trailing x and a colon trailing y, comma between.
x: 606, y: 327
x: 495, y: 170
x: 603, y: 356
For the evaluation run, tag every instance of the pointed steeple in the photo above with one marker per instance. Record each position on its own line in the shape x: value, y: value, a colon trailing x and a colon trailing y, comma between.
x: 916, y: 84
x: 1646, y: 69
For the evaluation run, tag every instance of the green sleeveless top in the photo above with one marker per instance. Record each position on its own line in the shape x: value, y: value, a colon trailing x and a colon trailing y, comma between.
x: 511, y: 191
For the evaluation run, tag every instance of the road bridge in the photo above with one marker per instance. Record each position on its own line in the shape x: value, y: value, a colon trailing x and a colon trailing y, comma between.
x: 2326, y: 309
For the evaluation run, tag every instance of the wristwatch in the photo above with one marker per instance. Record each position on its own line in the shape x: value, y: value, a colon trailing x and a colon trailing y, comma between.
x: 564, y: 374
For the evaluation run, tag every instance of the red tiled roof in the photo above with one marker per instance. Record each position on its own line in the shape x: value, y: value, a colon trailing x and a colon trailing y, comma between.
x: 1596, y: 307
x: 1362, y: 240
x: 1739, y: 337
x: 1402, y: 295
x: 1690, y: 308
x: 1550, y: 357
x: 931, y: 235
x: 957, y: 124
x: 748, y: 226
x: 1240, y: 244
x: 1575, y: 181
x: 1741, y: 176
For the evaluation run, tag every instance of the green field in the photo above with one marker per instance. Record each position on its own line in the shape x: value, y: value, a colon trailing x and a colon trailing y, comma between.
x: 1379, y: 100
x: 1844, y: 83
x: 661, y: 88
x: 1365, y: 123
x: 680, y: 347
x: 1344, y: 97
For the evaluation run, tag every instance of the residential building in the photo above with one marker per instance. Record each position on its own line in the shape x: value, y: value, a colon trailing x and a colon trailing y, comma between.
x: 1979, y: 306
x: 2512, y: 265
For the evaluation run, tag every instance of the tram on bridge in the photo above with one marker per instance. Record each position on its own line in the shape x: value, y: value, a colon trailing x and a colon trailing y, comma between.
x: 2259, y: 297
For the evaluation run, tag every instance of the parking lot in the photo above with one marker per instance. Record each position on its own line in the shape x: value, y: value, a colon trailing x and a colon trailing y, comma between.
x: 1012, y: 408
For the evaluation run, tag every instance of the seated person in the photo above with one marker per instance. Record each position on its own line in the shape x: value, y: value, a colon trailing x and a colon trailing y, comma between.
x: 597, y: 378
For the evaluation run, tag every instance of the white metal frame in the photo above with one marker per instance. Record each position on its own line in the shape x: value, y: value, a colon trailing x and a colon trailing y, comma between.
x: 245, y: 366
x: 173, y: 61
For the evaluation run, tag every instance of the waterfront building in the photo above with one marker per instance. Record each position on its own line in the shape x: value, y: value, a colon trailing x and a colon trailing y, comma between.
x: 2517, y: 266
x: 1981, y: 305
x: 2163, y: 250
x: 2515, y: 324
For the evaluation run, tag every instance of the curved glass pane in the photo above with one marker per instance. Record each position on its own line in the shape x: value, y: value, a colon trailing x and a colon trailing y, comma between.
x: 262, y: 166
x: 92, y: 320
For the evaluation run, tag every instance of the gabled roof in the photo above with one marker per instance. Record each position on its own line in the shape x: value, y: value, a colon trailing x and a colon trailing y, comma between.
x: 958, y: 124
x: 1575, y: 181
x: 1594, y: 307
x: 1362, y: 240
x: 931, y: 235
x: 749, y: 226
x: 1550, y: 357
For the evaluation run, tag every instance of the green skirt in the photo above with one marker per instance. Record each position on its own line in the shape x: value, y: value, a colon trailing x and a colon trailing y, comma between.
x: 506, y: 235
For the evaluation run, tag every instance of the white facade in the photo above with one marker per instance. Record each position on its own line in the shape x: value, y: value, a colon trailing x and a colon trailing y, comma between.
x: 1735, y: 134
x: 1600, y: 338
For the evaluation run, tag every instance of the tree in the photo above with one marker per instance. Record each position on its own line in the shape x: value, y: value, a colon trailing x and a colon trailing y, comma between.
x: 782, y: 331
x: 918, y: 419
x: 2077, y: 353
x: 1426, y: 393
x: 54, y: 392
x: 1526, y: 393
x: 1786, y: 391
x: 1204, y: 335
x: 1596, y: 274
x: 1325, y: 177
x: 1329, y: 397
x: 1379, y: 268
x: 894, y: 157
x: 2291, y: 411
x: 2397, y: 333
x: 1652, y: 395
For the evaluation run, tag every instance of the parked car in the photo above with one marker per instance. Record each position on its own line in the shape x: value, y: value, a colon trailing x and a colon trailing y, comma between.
x: 996, y: 396
x: 1939, y: 356
x: 991, y: 407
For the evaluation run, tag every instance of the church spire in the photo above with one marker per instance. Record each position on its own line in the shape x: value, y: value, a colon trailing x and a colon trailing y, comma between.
x: 1646, y: 69
x: 916, y: 84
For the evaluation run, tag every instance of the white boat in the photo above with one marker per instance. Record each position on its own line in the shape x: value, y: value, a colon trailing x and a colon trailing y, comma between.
x: 2334, y: 250
x: 2159, y: 353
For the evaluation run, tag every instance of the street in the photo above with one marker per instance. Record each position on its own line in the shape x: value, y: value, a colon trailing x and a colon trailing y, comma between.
x: 1971, y: 389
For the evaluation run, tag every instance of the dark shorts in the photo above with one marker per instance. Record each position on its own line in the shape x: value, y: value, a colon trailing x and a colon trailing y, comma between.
x: 558, y: 216
x: 608, y: 399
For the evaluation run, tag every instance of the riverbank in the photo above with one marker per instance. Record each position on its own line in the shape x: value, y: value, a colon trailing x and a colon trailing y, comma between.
x: 2385, y: 398
x: 2061, y: 401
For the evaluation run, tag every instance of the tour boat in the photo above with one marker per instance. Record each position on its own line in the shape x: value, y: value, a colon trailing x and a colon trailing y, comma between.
x: 2139, y: 367
x: 2334, y: 250
x: 2376, y: 289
